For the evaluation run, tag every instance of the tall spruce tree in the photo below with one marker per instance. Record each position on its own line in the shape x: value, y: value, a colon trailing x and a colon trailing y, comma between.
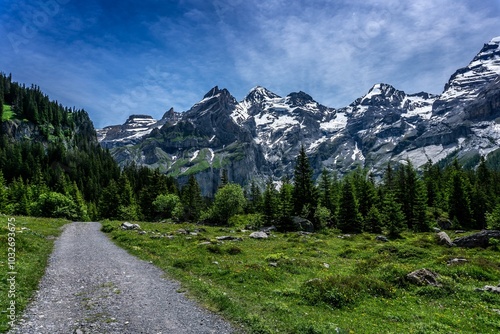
x: 349, y: 219
x: 286, y: 205
x: 459, y: 209
x: 270, y: 205
x: 192, y: 199
x: 304, y: 194
x: 394, y: 219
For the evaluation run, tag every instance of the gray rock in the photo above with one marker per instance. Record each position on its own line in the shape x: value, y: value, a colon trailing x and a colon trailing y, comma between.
x: 129, y: 226
x: 302, y: 224
x: 423, y: 277
x: 381, y: 238
x: 444, y: 239
x: 259, y: 235
x: 459, y: 231
x: 228, y: 238
x: 489, y: 288
x: 456, y: 261
x: 481, y: 239
x: 268, y: 229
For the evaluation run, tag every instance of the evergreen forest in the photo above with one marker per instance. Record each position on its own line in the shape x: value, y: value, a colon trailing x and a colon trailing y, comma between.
x: 51, y: 165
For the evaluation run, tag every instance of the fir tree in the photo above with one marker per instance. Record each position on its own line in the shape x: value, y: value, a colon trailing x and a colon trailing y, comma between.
x: 394, y: 219
x: 349, y: 219
x: 286, y: 205
x: 459, y: 209
x: 192, y: 199
x: 270, y: 203
x: 304, y: 195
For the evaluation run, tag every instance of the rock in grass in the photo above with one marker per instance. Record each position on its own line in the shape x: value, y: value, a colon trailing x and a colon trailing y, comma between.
x: 129, y: 226
x: 481, y: 239
x: 490, y: 288
x: 456, y: 261
x: 444, y: 239
x: 381, y: 238
x: 228, y: 238
x: 259, y: 235
x: 302, y: 224
x: 423, y: 277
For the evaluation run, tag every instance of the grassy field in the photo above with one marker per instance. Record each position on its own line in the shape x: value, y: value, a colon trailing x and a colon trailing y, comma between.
x: 7, y: 113
x: 34, y: 238
x: 320, y: 283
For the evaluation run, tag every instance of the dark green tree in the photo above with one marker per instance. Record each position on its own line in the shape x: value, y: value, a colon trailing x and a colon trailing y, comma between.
x: 304, y: 194
x: 270, y: 203
x: 349, y: 219
x: 286, y: 205
x: 394, y: 218
x: 192, y: 200
x: 459, y: 209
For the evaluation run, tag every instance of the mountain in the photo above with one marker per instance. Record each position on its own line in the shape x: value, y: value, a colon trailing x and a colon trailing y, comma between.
x: 260, y: 136
x: 134, y: 129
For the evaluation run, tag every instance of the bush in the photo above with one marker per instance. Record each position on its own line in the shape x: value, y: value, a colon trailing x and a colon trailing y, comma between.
x: 229, y: 201
x: 493, y: 219
x: 55, y: 205
x: 107, y: 228
x: 168, y: 206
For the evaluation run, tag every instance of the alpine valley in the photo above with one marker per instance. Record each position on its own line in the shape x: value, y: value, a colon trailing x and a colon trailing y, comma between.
x: 260, y: 136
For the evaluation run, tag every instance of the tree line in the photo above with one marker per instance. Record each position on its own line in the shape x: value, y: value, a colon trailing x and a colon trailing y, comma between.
x: 66, y: 173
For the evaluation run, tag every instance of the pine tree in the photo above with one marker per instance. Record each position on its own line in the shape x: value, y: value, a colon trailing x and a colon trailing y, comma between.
x: 325, y: 190
x: 394, y: 219
x: 304, y: 194
x: 421, y: 222
x: 255, y: 201
x: 459, y: 209
x: 373, y: 222
x: 192, y: 199
x: 286, y: 205
x: 270, y: 203
x: 349, y: 219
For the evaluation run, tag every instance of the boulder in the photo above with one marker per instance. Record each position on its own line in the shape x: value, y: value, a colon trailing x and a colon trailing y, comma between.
x: 456, y: 261
x: 228, y: 238
x: 259, y: 235
x: 444, y: 239
x: 129, y: 226
x: 490, y: 288
x: 268, y: 229
x: 423, y: 277
x: 302, y: 224
x: 381, y: 238
x: 481, y: 239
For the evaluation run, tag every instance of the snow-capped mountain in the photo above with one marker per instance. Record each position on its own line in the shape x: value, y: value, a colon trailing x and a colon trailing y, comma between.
x: 260, y: 136
x: 135, y: 128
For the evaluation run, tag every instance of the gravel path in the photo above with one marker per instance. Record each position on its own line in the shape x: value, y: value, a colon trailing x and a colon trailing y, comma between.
x: 93, y: 286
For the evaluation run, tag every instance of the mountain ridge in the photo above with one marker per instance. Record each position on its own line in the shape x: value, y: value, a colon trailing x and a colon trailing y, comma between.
x: 260, y: 136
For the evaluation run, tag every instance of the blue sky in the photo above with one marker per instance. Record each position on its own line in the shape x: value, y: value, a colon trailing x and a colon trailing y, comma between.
x: 118, y: 58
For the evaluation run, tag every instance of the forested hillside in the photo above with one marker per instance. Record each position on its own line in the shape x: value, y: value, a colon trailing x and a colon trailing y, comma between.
x: 52, y: 165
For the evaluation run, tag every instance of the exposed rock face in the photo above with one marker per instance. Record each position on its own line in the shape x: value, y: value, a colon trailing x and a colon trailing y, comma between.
x: 481, y: 239
x: 260, y: 136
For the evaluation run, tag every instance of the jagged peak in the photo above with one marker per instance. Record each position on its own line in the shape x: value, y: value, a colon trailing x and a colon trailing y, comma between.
x: 259, y: 93
x: 214, y: 92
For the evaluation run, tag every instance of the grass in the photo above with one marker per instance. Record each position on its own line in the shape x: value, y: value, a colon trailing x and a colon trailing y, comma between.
x: 7, y: 113
x: 320, y: 283
x: 34, y: 238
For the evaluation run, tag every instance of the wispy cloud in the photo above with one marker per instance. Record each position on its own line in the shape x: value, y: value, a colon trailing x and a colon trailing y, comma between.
x: 115, y: 59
